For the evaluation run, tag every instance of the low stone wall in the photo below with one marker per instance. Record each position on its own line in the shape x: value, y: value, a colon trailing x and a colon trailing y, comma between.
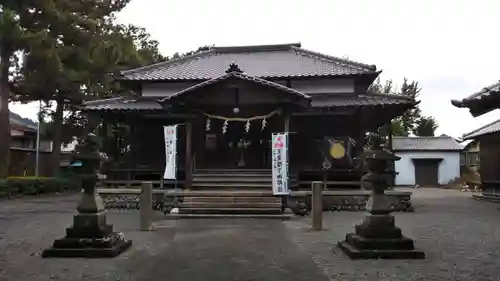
x: 355, y: 200
x: 128, y: 198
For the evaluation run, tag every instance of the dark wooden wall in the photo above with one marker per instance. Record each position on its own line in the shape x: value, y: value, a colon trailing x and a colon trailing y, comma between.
x: 308, y: 131
x: 489, y: 155
x: 148, y: 147
x: 23, y: 162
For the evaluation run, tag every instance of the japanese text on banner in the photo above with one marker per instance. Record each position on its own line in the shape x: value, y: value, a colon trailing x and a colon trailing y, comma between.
x: 170, y: 133
x: 280, y: 163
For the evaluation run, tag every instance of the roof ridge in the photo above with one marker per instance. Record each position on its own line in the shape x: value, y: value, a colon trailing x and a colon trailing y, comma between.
x: 422, y: 137
x: 479, y: 129
x: 483, y: 90
x: 335, y: 59
x: 250, y: 48
x: 239, y: 75
x: 91, y: 102
x: 388, y: 95
x: 271, y: 83
x: 168, y: 62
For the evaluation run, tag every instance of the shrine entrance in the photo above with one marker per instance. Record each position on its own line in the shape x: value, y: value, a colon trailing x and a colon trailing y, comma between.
x: 234, y: 146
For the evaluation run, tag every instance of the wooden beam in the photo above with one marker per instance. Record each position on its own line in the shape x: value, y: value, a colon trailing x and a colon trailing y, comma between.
x: 189, y: 158
x: 167, y: 115
x: 326, y: 112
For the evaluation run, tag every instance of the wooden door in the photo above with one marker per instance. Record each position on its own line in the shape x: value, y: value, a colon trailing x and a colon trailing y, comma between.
x: 426, y: 172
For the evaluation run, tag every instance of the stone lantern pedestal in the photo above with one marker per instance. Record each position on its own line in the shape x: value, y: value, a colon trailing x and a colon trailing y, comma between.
x: 90, y: 236
x: 378, y: 237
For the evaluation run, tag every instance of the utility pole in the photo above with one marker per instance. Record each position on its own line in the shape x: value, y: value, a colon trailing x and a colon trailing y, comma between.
x: 37, y: 159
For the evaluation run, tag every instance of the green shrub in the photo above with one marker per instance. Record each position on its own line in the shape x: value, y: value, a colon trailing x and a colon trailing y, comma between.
x: 4, y: 188
x: 32, y: 185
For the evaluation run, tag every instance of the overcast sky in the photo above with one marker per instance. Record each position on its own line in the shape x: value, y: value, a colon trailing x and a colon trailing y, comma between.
x: 450, y: 47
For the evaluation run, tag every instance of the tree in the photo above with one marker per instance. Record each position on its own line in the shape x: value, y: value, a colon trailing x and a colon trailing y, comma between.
x: 59, y: 66
x: 12, y: 39
x: 177, y: 55
x: 409, y: 118
x: 412, y: 120
x: 425, y: 127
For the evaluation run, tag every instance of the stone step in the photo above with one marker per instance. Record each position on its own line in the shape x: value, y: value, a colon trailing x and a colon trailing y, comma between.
x: 232, y: 175
x: 202, y: 177
x: 237, y: 171
x: 231, y: 216
x: 188, y: 210
x: 231, y: 185
x: 235, y: 199
x: 228, y: 193
x: 232, y: 179
x: 230, y: 205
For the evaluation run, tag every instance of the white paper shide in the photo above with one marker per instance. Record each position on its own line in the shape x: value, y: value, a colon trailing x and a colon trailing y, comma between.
x: 279, y: 150
x: 170, y: 133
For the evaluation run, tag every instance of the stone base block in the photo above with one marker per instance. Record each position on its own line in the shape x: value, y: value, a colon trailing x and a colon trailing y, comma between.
x: 364, y: 243
x: 355, y: 253
x: 107, y: 247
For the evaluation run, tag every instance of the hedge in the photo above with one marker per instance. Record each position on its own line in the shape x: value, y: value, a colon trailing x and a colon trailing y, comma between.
x: 32, y: 186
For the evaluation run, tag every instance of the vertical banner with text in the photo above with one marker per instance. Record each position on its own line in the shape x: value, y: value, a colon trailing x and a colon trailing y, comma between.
x: 279, y: 151
x: 170, y: 151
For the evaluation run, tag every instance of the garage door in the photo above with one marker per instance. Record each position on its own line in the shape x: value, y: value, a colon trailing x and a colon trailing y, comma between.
x: 426, y: 171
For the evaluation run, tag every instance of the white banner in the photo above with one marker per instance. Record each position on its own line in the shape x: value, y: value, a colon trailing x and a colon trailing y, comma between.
x: 170, y: 133
x: 279, y: 150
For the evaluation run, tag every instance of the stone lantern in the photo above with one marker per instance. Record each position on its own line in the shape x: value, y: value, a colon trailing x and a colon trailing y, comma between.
x: 90, y: 235
x: 377, y: 236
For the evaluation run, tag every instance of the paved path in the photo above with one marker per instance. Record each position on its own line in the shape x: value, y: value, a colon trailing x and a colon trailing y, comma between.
x: 459, y: 235
x: 231, y: 250
x: 190, y: 250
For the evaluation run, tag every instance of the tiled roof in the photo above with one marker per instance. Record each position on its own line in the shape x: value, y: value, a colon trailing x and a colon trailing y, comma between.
x: 239, y: 76
x: 266, y: 61
x: 122, y: 104
x: 334, y: 101
x: 425, y: 143
x: 350, y: 100
x: 480, y: 99
x: 485, y: 92
x: 490, y: 128
x: 17, y: 120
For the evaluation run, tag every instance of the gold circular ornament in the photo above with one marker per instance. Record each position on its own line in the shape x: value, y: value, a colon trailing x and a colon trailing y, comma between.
x: 337, y: 151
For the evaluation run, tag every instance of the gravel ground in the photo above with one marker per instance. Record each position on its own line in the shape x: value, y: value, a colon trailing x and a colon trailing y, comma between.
x: 457, y: 233
x: 187, y: 250
x: 459, y: 236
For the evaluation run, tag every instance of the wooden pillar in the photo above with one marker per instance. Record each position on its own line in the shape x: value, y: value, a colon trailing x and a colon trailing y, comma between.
x: 189, y: 157
x: 200, y: 144
x: 317, y: 205
x: 389, y: 132
x: 286, y: 128
x: 392, y: 179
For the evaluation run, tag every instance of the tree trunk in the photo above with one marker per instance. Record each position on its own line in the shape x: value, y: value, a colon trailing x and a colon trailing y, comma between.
x: 56, y: 141
x: 4, y: 113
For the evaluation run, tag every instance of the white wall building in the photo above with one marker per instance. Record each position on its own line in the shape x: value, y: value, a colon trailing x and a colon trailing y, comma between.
x: 426, y: 161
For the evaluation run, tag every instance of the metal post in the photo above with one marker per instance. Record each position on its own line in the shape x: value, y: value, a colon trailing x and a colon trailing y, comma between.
x: 37, y: 151
x: 317, y: 205
x: 146, y: 206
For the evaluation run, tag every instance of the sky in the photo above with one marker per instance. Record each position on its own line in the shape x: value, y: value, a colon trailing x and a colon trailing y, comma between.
x: 450, y: 47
